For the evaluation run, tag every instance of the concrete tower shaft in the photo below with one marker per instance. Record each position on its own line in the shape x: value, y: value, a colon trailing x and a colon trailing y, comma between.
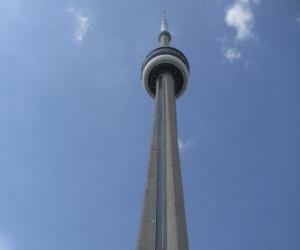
x: 164, y: 75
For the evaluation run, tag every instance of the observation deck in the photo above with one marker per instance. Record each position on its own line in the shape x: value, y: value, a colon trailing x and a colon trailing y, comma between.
x: 165, y: 60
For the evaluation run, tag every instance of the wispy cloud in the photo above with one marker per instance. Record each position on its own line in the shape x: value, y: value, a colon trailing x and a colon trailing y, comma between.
x: 184, y: 145
x: 83, y: 24
x: 232, y: 54
x: 240, y: 17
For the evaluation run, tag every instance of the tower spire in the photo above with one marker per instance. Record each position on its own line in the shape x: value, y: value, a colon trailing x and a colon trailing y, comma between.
x: 164, y: 35
x: 164, y: 23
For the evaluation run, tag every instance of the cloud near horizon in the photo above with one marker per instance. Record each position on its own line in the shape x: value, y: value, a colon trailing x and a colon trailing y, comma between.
x: 83, y: 24
x: 5, y: 242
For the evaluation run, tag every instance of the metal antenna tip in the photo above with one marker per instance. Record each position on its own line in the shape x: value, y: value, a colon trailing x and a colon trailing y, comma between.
x: 164, y: 22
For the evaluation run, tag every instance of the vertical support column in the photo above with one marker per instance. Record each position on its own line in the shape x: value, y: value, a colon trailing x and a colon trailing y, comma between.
x: 147, y: 230
x: 153, y: 222
x: 163, y: 225
x: 175, y: 214
x: 160, y: 167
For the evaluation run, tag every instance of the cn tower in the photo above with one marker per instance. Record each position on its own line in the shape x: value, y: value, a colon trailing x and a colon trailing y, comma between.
x: 165, y: 74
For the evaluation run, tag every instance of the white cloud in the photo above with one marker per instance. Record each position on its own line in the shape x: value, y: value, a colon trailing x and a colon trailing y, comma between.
x: 232, y: 54
x: 83, y: 24
x: 184, y: 145
x: 240, y: 17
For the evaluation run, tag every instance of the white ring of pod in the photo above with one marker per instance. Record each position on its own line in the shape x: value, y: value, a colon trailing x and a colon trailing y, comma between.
x: 165, y: 59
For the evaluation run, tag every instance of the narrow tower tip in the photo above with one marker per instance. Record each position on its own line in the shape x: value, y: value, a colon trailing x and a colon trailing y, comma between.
x: 164, y: 23
x: 164, y: 35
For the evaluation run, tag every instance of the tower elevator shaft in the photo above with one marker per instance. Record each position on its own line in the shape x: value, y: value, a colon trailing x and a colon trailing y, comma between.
x: 163, y: 225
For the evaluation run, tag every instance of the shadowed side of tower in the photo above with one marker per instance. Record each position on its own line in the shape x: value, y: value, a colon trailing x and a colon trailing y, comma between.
x: 164, y: 75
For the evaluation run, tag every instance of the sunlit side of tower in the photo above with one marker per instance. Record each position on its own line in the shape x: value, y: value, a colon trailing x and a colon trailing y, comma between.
x: 165, y: 73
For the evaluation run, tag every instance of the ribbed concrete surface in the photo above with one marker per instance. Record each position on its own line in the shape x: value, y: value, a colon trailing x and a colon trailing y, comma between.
x: 163, y: 225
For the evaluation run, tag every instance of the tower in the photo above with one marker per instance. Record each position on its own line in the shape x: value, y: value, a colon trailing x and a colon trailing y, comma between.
x: 165, y: 73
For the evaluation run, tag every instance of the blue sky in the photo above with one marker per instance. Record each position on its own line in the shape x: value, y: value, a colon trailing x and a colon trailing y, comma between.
x: 75, y: 122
